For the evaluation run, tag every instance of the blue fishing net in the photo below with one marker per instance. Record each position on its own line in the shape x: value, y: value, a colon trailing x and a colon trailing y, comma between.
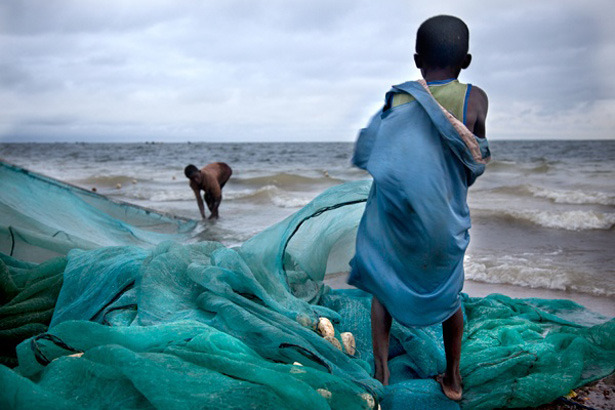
x: 172, y: 325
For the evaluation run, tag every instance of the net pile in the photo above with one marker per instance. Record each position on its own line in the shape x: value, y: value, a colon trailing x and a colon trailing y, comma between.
x: 202, y: 325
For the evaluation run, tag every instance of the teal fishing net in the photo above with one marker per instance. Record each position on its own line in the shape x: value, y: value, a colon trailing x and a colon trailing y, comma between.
x: 201, y: 325
x: 43, y: 218
x: 28, y: 295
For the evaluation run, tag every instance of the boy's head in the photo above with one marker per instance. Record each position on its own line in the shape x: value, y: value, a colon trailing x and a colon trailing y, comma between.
x: 442, y: 42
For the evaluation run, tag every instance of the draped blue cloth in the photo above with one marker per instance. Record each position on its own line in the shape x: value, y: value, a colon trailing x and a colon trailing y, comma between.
x: 413, y: 235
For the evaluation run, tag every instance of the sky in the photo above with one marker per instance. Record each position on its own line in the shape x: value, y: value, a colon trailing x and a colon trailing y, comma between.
x: 289, y: 70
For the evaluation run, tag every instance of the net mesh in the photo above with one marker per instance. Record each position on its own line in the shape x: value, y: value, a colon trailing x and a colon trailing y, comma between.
x: 43, y: 218
x: 202, y: 325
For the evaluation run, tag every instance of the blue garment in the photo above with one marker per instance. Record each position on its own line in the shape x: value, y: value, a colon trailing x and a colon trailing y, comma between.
x: 414, y: 232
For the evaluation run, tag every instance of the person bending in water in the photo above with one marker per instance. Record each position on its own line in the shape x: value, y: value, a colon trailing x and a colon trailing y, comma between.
x: 210, y: 179
x: 414, y: 232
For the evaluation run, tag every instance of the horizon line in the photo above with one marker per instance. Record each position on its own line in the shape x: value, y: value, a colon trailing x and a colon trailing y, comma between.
x: 276, y: 142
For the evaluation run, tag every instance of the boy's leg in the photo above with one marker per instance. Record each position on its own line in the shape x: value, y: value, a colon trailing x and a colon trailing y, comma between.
x: 381, y: 328
x: 452, y: 331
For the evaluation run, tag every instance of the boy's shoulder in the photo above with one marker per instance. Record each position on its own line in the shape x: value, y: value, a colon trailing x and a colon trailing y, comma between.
x: 478, y: 105
x: 478, y: 95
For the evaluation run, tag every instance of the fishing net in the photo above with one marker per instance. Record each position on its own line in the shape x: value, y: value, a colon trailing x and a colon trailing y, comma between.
x: 43, y: 218
x: 28, y: 295
x: 201, y: 325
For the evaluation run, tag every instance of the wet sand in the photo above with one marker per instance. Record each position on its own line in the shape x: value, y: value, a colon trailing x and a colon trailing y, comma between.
x: 599, y: 395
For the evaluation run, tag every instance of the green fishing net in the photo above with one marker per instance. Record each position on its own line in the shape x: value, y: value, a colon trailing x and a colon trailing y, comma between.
x: 200, y: 325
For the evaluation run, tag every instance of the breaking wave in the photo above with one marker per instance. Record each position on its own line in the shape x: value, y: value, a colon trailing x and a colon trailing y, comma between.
x: 270, y: 193
x: 560, y: 196
x: 529, y: 272
x: 572, y: 196
x: 570, y: 220
x: 286, y: 180
x: 110, y: 181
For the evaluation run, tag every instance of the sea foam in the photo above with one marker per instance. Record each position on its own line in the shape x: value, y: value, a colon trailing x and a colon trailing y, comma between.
x: 530, y: 271
x: 517, y: 271
x: 576, y: 220
x: 572, y: 196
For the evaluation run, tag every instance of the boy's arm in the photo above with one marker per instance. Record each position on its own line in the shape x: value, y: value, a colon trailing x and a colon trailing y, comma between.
x: 476, y: 113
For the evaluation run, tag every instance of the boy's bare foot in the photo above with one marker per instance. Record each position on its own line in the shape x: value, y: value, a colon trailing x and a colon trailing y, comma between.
x: 451, y: 386
x: 382, y: 373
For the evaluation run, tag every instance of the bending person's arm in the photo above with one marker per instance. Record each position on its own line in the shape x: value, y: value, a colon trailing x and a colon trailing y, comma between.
x: 199, y: 201
x: 214, y: 195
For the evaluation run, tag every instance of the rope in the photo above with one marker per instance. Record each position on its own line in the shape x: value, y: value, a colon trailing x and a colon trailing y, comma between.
x: 38, y: 353
x: 12, y: 240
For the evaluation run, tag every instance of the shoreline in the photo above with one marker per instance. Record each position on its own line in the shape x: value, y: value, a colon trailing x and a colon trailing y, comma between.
x: 599, y: 304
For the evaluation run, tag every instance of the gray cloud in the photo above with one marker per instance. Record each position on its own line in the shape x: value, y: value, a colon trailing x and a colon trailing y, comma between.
x: 271, y: 70
x: 551, y: 50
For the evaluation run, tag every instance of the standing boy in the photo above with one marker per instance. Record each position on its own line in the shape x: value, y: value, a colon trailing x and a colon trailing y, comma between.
x: 424, y: 149
x: 210, y: 179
